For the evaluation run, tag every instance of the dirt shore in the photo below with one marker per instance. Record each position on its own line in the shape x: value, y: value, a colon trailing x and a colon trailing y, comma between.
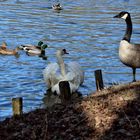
x: 110, y: 114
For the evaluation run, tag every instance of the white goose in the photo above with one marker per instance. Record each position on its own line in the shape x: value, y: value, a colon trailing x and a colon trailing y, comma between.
x: 56, y: 72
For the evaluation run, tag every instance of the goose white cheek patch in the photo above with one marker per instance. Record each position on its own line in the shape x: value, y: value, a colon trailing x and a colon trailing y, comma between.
x: 124, y: 16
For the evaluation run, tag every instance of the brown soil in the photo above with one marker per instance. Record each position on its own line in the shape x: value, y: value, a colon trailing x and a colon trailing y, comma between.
x: 110, y: 114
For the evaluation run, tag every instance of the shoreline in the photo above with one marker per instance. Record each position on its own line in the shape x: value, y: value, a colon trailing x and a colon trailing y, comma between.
x: 111, y: 113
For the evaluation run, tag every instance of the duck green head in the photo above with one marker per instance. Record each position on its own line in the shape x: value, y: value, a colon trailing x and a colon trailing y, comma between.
x: 43, y: 47
x: 40, y: 43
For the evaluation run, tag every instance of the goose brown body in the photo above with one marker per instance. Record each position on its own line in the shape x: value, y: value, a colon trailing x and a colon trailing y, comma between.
x: 129, y: 54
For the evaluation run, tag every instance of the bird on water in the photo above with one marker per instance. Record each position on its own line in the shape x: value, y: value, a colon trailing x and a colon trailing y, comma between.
x: 59, y: 71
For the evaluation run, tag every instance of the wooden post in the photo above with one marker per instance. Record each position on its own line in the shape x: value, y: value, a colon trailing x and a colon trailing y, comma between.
x: 99, y: 80
x: 17, y: 106
x: 64, y: 88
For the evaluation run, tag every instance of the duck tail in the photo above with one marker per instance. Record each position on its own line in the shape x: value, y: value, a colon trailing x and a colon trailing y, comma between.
x: 21, y: 47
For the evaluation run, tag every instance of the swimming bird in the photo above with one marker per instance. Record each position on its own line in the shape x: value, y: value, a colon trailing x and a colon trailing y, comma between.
x: 60, y: 71
x: 5, y: 51
x: 34, y: 50
x: 3, y: 46
x: 129, y: 53
x: 56, y: 6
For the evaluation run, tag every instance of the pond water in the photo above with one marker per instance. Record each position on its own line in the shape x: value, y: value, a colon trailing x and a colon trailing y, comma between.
x: 87, y: 30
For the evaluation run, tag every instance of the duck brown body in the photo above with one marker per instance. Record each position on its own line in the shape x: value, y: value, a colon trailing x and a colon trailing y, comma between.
x: 5, y: 51
x: 8, y: 52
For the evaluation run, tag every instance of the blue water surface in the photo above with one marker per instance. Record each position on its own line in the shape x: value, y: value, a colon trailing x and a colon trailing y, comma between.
x: 85, y: 28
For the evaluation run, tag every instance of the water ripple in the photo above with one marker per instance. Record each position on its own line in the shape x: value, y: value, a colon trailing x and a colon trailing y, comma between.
x: 85, y: 28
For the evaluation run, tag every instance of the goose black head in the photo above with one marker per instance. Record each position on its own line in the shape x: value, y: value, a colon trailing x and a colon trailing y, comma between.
x: 64, y: 51
x: 123, y: 15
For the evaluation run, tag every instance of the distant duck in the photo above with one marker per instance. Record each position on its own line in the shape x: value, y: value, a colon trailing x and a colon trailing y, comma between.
x: 129, y: 53
x: 34, y: 50
x: 56, y: 6
x: 60, y: 71
x: 5, y: 51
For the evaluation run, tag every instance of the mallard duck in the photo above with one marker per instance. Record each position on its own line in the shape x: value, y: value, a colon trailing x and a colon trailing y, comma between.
x: 56, y: 6
x: 5, y: 51
x: 34, y: 50
x: 129, y: 53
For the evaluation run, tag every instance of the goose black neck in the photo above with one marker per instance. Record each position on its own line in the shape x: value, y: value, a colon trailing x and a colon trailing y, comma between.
x: 128, y: 32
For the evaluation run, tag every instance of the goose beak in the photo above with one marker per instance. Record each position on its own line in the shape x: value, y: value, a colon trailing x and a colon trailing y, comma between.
x: 66, y: 52
x: 117, y: 16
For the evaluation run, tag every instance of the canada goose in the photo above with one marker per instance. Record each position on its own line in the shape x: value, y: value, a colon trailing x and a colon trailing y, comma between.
x: 56, y: 72
x: 5, y: 51
x: 34, y: 50
x: 129, y: 53
x: 56, y: 6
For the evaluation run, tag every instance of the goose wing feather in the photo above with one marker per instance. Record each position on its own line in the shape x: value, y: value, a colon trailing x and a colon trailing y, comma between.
x: 75, y: 73
x: 136, y: 47
x: 52, y: 74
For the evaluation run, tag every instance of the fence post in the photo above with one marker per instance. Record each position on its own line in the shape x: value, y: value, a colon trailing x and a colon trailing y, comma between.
x: 99, y: 80
x: 17, y: 106
x: 65, y: 93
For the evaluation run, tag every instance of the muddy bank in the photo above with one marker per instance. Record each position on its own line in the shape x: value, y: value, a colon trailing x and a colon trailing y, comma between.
x: 113, y: 113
